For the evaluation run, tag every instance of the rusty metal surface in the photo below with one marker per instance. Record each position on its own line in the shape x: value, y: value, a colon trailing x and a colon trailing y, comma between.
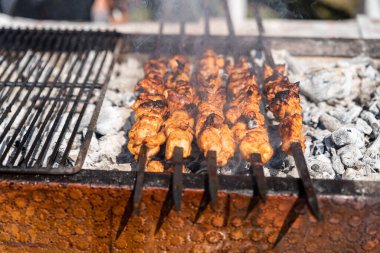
x: 64, y: 216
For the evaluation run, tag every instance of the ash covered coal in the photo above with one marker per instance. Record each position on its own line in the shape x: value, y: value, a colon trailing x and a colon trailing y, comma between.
x: 341, y: 112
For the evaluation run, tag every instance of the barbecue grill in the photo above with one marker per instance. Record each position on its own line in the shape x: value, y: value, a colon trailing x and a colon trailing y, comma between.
x: 114, y: 211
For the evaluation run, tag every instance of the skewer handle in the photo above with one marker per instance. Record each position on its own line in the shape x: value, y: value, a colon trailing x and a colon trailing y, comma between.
x: 137, y: 193
x: 213, y: 182
x: 260, y: 181
x: 177, y: 177
x: 303, y: 172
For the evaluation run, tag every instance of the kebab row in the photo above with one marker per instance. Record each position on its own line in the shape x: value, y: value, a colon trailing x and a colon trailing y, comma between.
x: 163, y: 110
x: 168, y: 104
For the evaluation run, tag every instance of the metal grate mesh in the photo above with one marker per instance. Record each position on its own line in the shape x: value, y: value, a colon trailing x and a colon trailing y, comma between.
x: 48, y: 79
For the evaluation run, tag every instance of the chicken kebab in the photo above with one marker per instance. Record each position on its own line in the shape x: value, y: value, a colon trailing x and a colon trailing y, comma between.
x: 212, y: 133
x: 150, y: 110
x: 244, y: 113
x: 163, y: 110
x: 284, y: 102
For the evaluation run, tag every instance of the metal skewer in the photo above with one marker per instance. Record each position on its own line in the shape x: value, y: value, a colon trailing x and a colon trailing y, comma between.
x: 296, y: 147
x: 260, y: 181
x: 213, y: 181
x: 307, y: 184
x: 138, y: 190
x: 177, y: 177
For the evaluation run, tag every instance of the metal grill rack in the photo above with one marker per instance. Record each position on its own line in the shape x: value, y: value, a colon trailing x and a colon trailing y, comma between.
x: 48, y: 79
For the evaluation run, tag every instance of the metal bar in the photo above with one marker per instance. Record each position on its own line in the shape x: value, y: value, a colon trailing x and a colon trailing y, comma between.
x: 16, y: 65
x: 230, y: 26
x: 261, y: 40
x: 260, y: 182
x: 53, y: 156
x: 51, y: 84
x: 177, y: 177
x: 182, y: 43
x: 83, y: 40
x: 73, y: 45
x: 213, y: 181
x: 16, y: 97
x: 207, y: 18
x: 91, y: 128
x: 139, y: 183
x: 303, y: 172
x: 41, y: 106
x: 65, y: 155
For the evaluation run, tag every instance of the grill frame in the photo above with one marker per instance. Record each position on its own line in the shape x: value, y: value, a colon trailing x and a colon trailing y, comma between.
x: 87, y: 48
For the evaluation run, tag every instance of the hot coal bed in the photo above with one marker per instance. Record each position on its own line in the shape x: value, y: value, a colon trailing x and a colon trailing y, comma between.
x: 339, y: 98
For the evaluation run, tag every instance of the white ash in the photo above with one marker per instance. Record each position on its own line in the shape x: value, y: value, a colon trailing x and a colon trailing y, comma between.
x: 341, y: 111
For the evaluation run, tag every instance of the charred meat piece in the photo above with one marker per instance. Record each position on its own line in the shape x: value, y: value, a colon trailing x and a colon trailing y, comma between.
x: 179, y: 133
x: 291, y: 129
x: 155, y: 166
x: 246, y: 104
x: 146, y: 130
x: 284, y: 102
x: 152, y: 86
x: 244, y: 114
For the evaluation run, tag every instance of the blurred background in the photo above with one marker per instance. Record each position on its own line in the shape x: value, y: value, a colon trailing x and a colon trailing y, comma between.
x: 122, y: 11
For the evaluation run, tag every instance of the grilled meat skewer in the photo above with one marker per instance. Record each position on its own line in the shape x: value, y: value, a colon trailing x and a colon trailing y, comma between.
x: 244, y: 113
x: 284, y: 102
x: 211, y: 131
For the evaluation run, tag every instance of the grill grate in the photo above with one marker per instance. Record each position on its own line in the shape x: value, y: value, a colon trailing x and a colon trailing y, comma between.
x: 52, y: 84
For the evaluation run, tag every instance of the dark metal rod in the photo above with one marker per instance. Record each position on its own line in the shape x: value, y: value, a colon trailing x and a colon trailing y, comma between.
x: 20, y: 57
x: 65, y: 155
x: 139, y: 183
x: 213, y: 181
x: 73, y: 45
x: 259, y: 178
x: 83, y: 42
x: 207, y: 18
x: 41, y: 106
x: 303, y: 172
x: 54, y: 154
x: 263, y: 43
x: 182, y: 29
x: 16, y: 97
x: 31, y: 106
x: 91, y: 128
x: 230, y: 25
x: 51, y: 84
x: 177, y: 177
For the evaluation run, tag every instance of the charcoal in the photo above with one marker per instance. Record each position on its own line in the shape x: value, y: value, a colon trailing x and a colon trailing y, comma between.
x: 329, y: 122
x: 110, y: 146
x: 318, y: 148
x: 337, y: 164
x: 110, y: 120
x: 328, y: 143
x: 352, y: 174
x: 374, y: 106
x: 350, y: 155
x: 373, y: 150
x: 348, y: 135
x: 370, y: 119
x: 363, y: 127
x: 329, y: 84
x: 321, y: 167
